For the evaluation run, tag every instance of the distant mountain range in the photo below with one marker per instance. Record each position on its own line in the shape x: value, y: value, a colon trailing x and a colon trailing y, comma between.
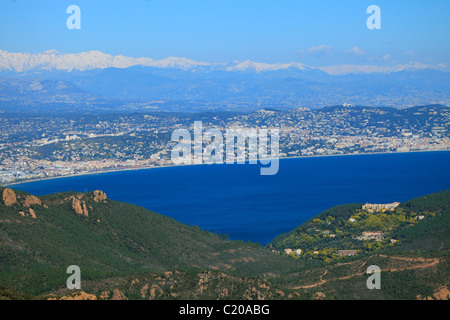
x: 34, y: 81
x: 84, y: 61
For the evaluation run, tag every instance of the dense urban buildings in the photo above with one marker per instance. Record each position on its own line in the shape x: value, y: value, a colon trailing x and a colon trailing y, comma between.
x: 36, y: 146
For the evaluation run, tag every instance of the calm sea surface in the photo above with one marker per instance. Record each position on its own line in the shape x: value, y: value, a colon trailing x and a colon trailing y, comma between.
x: 237, y: 200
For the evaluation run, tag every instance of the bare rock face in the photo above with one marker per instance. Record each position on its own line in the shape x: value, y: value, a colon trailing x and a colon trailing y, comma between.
x: 442, y: 293
x: 78, y: 207
x: 76, y: 296
x: 85, y: 211
x: 30, y: 200
x: 9, y: 197
x: 99, y: 195
x: 32, y: 213
x: 118, y: 295
x: 319, y: 296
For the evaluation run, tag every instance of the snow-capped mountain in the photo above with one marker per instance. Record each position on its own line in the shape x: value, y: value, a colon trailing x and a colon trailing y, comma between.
x: 95, y: 77
x: 54, y: 60
x: 342, y: 69
x: 249, y: 65
x: 84, y: 61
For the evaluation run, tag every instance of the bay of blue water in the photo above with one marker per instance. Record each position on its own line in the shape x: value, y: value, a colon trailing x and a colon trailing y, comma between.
x: 238, y: 201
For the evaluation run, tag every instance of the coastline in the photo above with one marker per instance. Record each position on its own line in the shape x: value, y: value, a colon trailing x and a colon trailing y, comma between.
x: 94, y: 173
x: 193, y: 164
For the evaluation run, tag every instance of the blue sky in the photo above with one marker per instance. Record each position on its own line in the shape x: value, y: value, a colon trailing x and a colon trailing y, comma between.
x: 314, y: 32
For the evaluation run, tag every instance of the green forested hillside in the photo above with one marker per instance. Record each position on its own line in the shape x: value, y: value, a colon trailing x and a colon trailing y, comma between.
x: 113, y: 239
x: 431, y: 233
x: 413, y: 223
x: 126, y: 251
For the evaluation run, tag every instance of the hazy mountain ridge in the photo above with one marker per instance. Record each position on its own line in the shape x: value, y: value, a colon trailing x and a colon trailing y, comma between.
x: 96, y: 76
x: 42, y: 90
x: 222, y: 90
